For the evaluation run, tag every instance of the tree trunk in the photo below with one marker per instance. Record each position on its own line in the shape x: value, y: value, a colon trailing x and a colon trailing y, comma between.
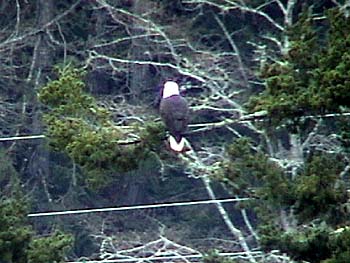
x: 41, y: 65
x: 140, y: 78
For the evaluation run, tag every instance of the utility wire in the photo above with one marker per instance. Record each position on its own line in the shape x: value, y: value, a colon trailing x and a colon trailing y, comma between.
x: 25, y: 137
x: 135, y: 207
x: 256, y: 116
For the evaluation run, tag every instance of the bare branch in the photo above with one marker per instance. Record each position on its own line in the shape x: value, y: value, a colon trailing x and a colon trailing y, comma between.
x: 14, y: 40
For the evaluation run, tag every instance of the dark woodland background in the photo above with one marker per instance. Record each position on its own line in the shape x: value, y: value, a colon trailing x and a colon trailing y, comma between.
x: 268, y: 83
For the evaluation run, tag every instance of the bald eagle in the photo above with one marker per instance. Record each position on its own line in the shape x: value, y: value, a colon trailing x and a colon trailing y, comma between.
x: 175, y: 114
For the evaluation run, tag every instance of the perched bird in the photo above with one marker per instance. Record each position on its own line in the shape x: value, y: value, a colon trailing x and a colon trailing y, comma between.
x: 175, y: 114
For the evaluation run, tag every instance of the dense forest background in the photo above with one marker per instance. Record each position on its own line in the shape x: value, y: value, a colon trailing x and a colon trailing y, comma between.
x: 268, y: 84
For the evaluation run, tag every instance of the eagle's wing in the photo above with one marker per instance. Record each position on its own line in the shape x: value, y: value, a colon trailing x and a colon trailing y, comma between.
x: 175, y: 114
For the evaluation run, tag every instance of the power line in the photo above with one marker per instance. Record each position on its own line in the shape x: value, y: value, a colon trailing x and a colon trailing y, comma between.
x: 135, y: 207
x: 24, y: 137
x: 261, y: 115
x: 153, y: 258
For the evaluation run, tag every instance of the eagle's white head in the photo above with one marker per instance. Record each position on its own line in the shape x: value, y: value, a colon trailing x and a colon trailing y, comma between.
x: 170, y: 88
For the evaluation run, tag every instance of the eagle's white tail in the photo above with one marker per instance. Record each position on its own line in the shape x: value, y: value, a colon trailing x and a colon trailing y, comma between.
x: 177, y: 146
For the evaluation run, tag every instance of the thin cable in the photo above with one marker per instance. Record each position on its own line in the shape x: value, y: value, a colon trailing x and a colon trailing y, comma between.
x: 153, y: 258
x: 135, y: 207
x: 260, y: 116
x: 25, y: 137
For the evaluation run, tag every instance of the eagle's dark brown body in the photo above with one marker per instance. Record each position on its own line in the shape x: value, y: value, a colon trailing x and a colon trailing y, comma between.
x: 175, y: 114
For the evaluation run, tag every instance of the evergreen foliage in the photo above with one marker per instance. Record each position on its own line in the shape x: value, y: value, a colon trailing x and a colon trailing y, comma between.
x: 315, y: 243
x: 248, y: 170
x: 344, y: 133
x: 339, y: 246
x: 49, y: 249
x: 314, y: 77
x: 315, y: 195
x: 319, y: 191
x: 15, y: 234
x: 17, y: 241
x: 309, y: 243
x: 79, y: 127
